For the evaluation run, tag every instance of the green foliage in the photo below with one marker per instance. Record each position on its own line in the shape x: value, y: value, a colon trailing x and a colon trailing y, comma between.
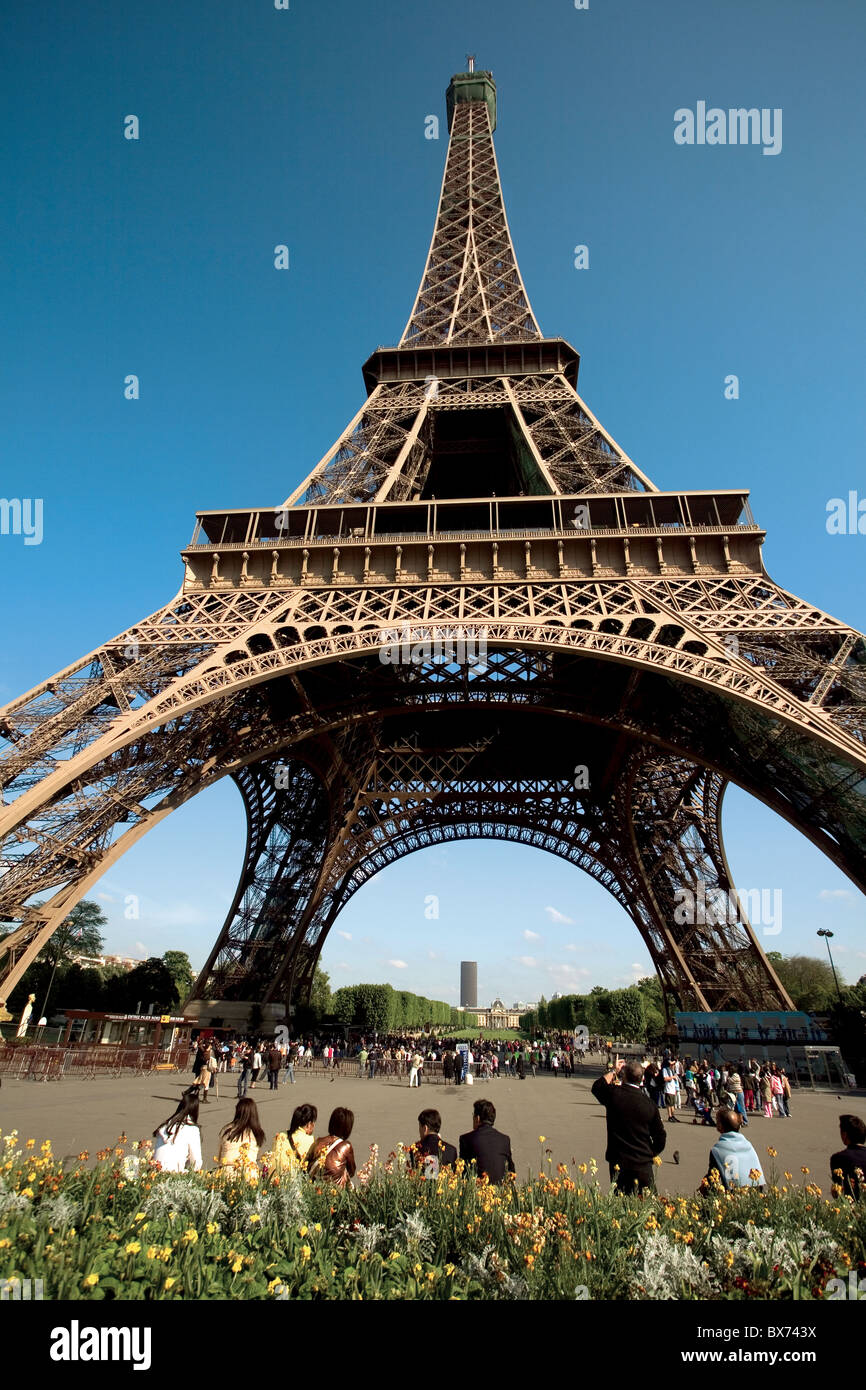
x: 343, y: 1005
x: 381, y: 1009
x: 177, y: 963
x: 79, y: 934
x: 150, y: 983
x: 320, y: 994
x: 627, y: 1016
x: 847, y: 1028
x: 122, y: 1230
x: 809, y: 981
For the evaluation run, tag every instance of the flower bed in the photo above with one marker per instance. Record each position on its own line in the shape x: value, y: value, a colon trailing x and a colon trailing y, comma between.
x: 124, y: 1230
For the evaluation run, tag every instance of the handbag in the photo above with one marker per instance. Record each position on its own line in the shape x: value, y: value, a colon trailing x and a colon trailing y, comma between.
x: 319, y: 1162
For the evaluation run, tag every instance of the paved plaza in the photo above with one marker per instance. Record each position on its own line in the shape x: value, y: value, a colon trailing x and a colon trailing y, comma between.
x: 90, y: 1114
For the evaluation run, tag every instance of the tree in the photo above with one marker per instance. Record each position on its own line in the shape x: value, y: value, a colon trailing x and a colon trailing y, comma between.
x: 344, y: 1005
x: 148, y: 984
x: 78, y: 934
x: 627, y: 1017
x: 177, y: 964
x: 654, y: 1005
x: 598, y: 1018
x: 848, y: 1028
x: 373, y: 1007
x: 809, y: 981
x: 320, y: 994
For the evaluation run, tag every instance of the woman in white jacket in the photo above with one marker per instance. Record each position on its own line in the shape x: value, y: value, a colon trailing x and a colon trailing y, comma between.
x: 178, y: 1141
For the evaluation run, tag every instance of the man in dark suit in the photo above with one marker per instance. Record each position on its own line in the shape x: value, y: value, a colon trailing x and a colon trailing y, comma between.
x: 635, y: 1132
x: 848, y: 1166
x: 484, y: 1146
x: 431, y: 1153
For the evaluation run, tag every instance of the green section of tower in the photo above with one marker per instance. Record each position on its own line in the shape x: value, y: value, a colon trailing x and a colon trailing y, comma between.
x: 472, y: 86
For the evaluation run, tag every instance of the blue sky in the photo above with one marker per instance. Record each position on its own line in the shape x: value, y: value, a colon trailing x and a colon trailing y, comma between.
x: 306, y: 127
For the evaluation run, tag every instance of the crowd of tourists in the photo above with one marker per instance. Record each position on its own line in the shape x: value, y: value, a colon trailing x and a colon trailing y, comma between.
x: 330, y: 1157
x: 750, y: 1088
x: 266, y: 1061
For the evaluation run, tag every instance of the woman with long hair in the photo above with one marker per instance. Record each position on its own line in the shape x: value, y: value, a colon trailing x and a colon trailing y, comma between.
x: 178, y: 1140
x: 292, y: 1147
x: 332, y: 1157
x: 241, y: 1139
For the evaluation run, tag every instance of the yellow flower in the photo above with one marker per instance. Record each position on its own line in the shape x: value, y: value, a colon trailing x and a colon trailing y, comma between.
x: 237, y: 1266
x: 91, y: 1279
x: 449, y: 1270
x: 306, y: 1251
x: 140, y: 1215
x: 132, y: 1248
x: 772, y: 1152
x: 190, y: 1236
x: 31, y: 1143
x: 254, y: 1218
x: 541, y: 1138
x: 152, y: 1252
x: 657, y: 1161
x: 27, y: 1192
x: 318, y: 1226
x: 804, y: 1170
x: 789, y: 1176
x: 170, y: 1282
x: 303, y: 1231
x: 4, y: 1244
x: 211, y: 1228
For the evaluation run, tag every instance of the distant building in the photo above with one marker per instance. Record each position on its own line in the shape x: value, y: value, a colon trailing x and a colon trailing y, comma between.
x: 124, y: 962
x: 497, y: 1016
x: 468, y: 984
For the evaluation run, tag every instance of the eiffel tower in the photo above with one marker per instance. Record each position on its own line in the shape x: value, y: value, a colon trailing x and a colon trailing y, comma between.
x: 630, y: 633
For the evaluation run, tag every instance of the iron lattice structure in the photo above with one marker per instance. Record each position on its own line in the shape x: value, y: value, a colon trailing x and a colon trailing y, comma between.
x: 629, y: 631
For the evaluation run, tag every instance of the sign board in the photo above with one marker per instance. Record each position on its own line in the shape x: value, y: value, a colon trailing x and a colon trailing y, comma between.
x: 144, y: 1018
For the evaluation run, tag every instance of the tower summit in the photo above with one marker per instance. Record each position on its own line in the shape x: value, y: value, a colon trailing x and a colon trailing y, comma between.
x: 632, y: 632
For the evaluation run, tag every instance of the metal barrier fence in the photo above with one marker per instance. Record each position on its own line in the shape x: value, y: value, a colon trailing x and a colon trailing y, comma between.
x: 53, y: 1063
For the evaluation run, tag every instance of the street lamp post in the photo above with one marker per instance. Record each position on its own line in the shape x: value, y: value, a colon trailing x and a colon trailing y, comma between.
x: 827, y: 934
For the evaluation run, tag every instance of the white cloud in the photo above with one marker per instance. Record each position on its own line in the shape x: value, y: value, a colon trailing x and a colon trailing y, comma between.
x: 431, y: 955
x: 636, y: 972
x: 342, y: 965
x: 835, y: 893
x: 140, y: 946
x: 346, y: 935
x: 107, y: 897
x: 569, y: 972
x: 556, y: 916
x: 529, y: 961
x: 570, y: 947
x: 531, y: 936
x: 398, y: 964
